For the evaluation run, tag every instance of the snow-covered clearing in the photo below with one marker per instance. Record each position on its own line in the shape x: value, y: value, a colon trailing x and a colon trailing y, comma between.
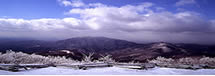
x: 110, y: 71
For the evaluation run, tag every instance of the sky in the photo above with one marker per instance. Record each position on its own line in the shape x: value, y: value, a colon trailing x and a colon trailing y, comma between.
x: 178, y: 21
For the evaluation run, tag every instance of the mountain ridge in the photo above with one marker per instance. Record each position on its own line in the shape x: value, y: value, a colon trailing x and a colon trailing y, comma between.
x: 121, y: 50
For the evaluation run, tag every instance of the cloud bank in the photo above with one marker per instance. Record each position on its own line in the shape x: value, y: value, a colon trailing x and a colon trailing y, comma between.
x: 140, y: 23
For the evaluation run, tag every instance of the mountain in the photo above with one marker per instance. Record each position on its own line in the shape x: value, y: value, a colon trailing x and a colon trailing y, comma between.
x: 94, y: 44
x: 27, y: 46
x: 73, y: 47
x: 149, y: 51
x: 169, y: 50
x: 121, y: 50
x: 197, y: 49
x: 90, y: 44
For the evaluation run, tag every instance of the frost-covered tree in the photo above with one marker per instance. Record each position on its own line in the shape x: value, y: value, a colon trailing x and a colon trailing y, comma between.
x: 107, y: 59
x: 207, y: 60
x: 87, y: 58
x: 11, y: 57
x: 162, y: 60
x: 188, y: 60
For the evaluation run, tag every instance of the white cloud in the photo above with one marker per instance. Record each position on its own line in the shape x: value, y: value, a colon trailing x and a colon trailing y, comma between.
x: 131, y: 22
x: 46, y: 24
x: 73, y: 3
x: 141, y: 18
x: 185, y: 2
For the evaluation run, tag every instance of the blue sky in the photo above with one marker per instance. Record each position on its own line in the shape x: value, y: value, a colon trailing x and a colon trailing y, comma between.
x: 30, y: 9
x: 180, y: 21
x: 33, y: 9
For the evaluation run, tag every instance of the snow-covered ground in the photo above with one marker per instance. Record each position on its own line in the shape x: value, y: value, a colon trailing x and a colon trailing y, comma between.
x: 110, y: 71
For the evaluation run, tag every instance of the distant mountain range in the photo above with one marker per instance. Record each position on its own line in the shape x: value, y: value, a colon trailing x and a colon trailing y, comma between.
x: 120, y: 50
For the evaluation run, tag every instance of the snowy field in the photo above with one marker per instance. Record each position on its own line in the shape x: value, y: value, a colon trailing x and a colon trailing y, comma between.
x: 110, y: 71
